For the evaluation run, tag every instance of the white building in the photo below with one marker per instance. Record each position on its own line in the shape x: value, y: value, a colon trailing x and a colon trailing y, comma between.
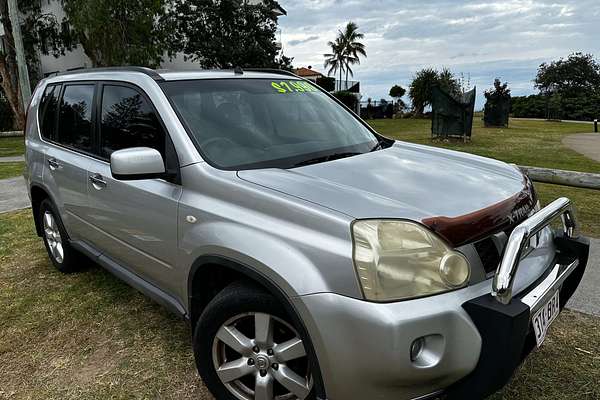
x: 77, y: 59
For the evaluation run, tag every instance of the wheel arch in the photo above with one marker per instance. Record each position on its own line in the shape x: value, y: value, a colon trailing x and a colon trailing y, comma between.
x: 210, y: 274
x: 38, y: 194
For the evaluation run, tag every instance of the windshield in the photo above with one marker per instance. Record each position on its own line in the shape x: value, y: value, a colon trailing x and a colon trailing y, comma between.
x: 262, y: 123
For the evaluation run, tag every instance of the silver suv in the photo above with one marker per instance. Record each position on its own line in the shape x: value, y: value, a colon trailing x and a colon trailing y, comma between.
x: 312, y: 257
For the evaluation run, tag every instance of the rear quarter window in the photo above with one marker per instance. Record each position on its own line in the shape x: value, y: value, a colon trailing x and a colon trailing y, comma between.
x: 48, y: 110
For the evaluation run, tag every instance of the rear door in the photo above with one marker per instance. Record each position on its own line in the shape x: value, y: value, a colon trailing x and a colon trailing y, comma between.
x: 68, y: 132
x: 135, y: 221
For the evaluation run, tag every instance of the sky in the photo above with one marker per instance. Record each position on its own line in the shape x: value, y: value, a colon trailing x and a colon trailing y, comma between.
x: 481, y: 40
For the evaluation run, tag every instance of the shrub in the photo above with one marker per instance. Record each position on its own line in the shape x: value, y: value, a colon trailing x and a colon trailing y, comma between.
x: 327, y: 83
x: 585, y: 108
x: 349, y: 99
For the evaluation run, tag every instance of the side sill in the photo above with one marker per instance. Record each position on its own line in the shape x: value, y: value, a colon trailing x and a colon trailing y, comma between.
x: 146, y: 288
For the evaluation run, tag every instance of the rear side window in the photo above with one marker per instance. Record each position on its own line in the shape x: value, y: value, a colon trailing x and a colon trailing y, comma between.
x: 75, y: 117
x: 47, y: 111
x: 128, y: 120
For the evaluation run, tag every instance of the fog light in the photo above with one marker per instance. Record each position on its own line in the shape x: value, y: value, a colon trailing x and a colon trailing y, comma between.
x: 416, y: 348
x: 454, y: 269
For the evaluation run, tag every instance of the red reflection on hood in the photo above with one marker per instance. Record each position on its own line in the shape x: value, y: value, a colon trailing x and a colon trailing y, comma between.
x: 502, y: 216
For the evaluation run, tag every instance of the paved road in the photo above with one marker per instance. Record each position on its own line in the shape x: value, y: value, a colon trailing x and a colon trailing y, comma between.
x: 12, y: 159
x: 587, y: 144
x: 13, y: 194
x: 587, y: 297
x: 570, y: 121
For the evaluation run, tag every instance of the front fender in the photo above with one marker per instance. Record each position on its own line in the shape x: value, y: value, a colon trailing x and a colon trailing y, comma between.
x: 269, y: 256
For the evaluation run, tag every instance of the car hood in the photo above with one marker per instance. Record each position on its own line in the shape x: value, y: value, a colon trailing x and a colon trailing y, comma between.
x: 444, y: 189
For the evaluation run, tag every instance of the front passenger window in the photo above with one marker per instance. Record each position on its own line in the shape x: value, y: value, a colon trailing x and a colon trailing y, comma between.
x: 128, y: 120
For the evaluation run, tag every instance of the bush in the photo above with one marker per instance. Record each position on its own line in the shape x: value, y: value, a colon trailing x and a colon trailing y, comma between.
x: 327, y: 83
x: 583, y: 108
x: 349, y: 99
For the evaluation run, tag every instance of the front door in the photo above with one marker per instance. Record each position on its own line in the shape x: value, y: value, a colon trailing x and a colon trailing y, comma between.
x: 135, y: 221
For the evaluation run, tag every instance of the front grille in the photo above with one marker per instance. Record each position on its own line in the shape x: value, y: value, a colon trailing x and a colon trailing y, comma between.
x: 489, y: 254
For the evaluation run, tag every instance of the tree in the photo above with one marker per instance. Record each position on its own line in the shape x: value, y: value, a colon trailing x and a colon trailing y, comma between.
x: 345, y: 51
x: 335, y: 60
x: 40, y: 31
x: 448, y: 83
x: 500, y: 90
x: 127, y: 32
x: 420, y: 89
x: 227, y: 33
x: 397, y: 91
x: 353, y: 49
x: 497, y: 105
x: 578, y: 74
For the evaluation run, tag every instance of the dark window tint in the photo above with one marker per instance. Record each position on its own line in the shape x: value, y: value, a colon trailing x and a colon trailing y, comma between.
x: 47, y: 111
x: 75, y: 119
x: 128, y: 120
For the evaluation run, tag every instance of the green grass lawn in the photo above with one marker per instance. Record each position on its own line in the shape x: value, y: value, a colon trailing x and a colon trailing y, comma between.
x: 11, y: 169
x: 12, y: 146
x: 534, y: 143
x: 89, y: 336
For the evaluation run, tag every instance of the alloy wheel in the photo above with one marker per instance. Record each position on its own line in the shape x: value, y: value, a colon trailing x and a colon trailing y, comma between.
x: 53, y: 238
x: 258, y: 356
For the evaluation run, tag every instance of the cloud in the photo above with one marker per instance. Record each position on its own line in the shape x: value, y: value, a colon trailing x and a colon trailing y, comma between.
x: 480, y: 39
x: 296, y: 42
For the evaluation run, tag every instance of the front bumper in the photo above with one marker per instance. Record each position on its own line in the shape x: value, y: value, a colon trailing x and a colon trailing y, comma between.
x: 475, y: 339
x: 506, y: 330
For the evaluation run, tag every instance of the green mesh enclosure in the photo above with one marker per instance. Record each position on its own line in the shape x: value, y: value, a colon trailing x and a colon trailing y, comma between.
x: 496, y: 111
x: 452, y: 116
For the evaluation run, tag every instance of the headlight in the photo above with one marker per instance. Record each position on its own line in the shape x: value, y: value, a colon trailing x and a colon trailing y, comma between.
x: 398, y: 260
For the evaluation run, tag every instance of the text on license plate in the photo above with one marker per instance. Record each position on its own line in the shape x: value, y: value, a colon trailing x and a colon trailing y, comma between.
x: 544, y: 317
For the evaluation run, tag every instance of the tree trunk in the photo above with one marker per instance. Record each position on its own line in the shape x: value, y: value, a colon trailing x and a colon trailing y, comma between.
x: 419, y: 110
x: 8, y: 70
x: 12, y: 93
x: 346, y: 78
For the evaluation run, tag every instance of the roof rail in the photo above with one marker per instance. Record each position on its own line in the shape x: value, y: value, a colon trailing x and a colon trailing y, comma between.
x: 272, y: 71
x: 147, y: 71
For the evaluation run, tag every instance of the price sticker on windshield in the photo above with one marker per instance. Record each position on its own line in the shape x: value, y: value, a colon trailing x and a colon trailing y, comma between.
x: 293, y: 87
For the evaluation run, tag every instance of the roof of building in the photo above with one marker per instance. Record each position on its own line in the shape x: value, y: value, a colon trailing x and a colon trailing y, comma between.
x: 307, y: 72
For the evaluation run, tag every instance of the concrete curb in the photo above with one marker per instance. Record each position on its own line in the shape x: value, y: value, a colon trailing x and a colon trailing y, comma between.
x: 12, y: 159
x: 11, y: 134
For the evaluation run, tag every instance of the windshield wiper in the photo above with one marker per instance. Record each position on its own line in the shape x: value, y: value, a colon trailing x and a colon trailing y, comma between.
x: 380, y: 145
x: 328, y: 157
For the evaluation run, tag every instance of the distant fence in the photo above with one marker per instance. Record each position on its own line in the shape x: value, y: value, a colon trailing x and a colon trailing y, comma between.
x: 583, y: 180
x: 11, y: 134
x: 378, y: 109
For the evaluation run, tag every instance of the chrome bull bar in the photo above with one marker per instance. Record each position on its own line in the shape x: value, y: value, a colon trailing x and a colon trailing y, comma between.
x: 519, y: 238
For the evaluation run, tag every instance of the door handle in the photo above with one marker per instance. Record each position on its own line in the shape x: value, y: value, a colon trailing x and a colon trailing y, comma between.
x: 97, y: 181
x: 53, y: 164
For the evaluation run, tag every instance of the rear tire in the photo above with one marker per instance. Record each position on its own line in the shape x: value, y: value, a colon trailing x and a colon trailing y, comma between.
x: 63, y: 256
x: 246, y: 348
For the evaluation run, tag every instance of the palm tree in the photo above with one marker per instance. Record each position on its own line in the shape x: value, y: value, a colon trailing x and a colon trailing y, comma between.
x: 353, y: 48
x: 345, y: 51
x: 335, y: 60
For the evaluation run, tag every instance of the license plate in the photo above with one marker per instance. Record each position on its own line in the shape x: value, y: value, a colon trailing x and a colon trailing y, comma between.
x: 544, y: 317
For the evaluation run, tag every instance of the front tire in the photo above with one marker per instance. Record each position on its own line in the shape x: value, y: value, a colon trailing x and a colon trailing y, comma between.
x: 64, y: 257
x: 246, y: 348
